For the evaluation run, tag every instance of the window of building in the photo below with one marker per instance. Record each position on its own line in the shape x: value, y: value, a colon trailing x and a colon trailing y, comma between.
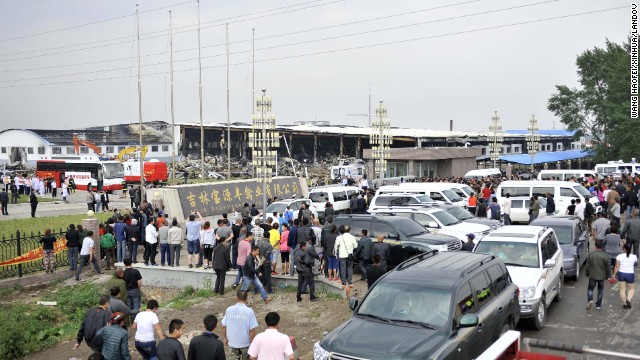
x: 29, y: 150
x: 70, y: 150
x: 549, y: 147
x: 154, y: 148
x: 120, y: 148
x: 3, y: 150
x: 517, y: 149
x: 396, y: 169
x: 56, y: 150
x: 559, y: 147
x: 41, y: 151
x: 165, y: 148
x: 109, y: 149
x: 84, y: 150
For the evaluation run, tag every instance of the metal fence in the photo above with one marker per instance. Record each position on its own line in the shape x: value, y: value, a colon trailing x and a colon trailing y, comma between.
x: 21, y: 243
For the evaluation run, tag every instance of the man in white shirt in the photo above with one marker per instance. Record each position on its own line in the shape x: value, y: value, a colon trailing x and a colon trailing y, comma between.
x: 506, y: 209
x: 151, y: 244
x: 271, y: 344
x: 579, y: 212
x: 145, y: 324
x: 345, y: 244
x: 86, y: 255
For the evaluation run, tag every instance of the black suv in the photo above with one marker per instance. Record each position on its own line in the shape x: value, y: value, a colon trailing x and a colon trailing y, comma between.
x: 406, y: 237
x: 450, y: 305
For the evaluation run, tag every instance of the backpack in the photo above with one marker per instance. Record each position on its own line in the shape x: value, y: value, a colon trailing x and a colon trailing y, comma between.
x: 495, y: 211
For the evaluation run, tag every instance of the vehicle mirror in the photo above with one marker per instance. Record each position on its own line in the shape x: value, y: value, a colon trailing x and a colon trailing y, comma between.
x: 432, y: 224
x: 468, y: 320
x: 549, y: 264
x: 393, y: 236
x: 353, y: 303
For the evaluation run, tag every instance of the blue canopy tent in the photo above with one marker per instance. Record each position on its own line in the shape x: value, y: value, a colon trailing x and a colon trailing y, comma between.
x: 545, y: 157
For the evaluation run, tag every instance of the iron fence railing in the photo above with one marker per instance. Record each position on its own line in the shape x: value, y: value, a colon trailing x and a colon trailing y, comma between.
x: 21, y: 244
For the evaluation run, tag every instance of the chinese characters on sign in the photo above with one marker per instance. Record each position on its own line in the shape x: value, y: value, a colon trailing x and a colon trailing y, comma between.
x: 218, y: 198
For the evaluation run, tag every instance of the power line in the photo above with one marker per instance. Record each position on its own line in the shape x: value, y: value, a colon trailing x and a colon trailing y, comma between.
x: 90, y: 23
x: 218, y: 22
x: 21, y: 6
x: 259, y: 38
x: 295, y: 43
x: 342, y: 49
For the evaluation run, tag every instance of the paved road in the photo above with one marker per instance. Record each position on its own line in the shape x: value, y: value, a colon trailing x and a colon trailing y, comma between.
x: 611, y: 328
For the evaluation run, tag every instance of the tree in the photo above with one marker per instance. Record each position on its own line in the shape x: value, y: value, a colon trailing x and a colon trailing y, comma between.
x: 600, y: 107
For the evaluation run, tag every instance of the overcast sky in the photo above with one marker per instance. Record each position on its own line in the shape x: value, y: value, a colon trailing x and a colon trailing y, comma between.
x: 56, y: 72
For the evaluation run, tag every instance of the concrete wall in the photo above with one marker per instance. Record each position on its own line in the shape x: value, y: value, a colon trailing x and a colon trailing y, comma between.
x: 178, y: 278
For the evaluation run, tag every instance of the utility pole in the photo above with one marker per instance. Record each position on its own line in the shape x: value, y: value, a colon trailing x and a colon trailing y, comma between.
x: 253, y: 94
x: 142, y: 186
x: 173, y: 119
x: 200, y: 92
x: 228, y: 117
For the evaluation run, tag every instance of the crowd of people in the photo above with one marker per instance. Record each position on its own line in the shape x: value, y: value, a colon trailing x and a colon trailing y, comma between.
x: 105, y: 329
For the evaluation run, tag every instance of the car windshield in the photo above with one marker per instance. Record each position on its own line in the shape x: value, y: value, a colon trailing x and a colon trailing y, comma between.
x: 460, y: 213
x: 424, y: 199
x: 584, y: 192
x: 113, y: 170
x: 512, y: 253
x: 409, y: 227
x: 445, y: 218
x: 276, y: 207
x: 564, y: 234
x: 407, y: 303
x: 451, y: 195
x: 467, y: 190
x: 318, y: 197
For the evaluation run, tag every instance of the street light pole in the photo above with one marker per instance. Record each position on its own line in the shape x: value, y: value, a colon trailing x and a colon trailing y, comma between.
x: 381, y: 135
x: 200, y: 93
x: 533, y: 139
x: 173, y: 119
x: 495, y: 139
x: 142, y: 192
x: 264, y: 151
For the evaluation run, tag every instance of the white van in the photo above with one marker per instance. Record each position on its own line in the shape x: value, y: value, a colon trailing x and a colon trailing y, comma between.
x: 440, y: 194
x: 483, y: 173
x: 337, y: 195
x: 521, y: 191
x: 617, y: 168
x: 565, y: 175
x: 463, y: 190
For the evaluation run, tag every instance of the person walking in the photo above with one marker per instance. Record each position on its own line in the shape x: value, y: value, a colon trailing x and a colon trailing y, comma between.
x: 170, y: 348
x: 33, y: 201
x: 115, y: 339
x: 207, y: 346
x: 89, y: 199
x: 612, y: 246
x: 14, y: 193
x: 193, y: 239
x: 551, y: 205
x: 330, y: 250
x: 625, y: 270
x: 631, y: 232
x: 73, y: 244
x: 117, y: 280
x: 108, y: 245
x: 345, y: 244
x: 239, y: 326
x: 244, y: 252
x: 251, y: 270
x: 265, y: 255
x: 304, y: 259
x: 4, y: 201
x: 598, y: 270
x: 48, y: 258
x: 221, y: 263
x: 631, y: 200
x: 133, y: 281
x: 363, y: 253
x: 506, y: 209
x: 94, y: 320
x: 534, y: 208
x: 271, y: 344
x: 87, y: 255
x: 163, y: 240
x: 145, y: 324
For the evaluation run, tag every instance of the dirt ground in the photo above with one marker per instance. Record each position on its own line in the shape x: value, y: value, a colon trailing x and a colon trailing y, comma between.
x: 305, y: 320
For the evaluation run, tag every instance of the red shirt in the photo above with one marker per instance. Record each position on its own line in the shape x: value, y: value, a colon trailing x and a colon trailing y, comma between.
x: 486, y: 193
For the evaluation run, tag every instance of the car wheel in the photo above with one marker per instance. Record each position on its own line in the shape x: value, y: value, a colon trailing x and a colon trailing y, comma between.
x: 541, y: 315
x: 577, y: 277
x: 560, y: 290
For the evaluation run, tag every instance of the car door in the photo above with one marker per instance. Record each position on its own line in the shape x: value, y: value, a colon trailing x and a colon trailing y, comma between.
x: 396, y: 249
x: 583, y: 241
x: 550, y: 252
x: 487, y: 319
x: 427, y: 221
x: 465, y: 303
x: 504, y: 301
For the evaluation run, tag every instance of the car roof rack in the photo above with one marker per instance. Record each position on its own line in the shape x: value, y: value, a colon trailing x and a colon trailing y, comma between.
x: 416, y: 259
x: 476, y: 265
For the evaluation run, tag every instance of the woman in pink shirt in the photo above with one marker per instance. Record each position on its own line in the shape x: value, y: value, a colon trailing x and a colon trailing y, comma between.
x: 284, y: 249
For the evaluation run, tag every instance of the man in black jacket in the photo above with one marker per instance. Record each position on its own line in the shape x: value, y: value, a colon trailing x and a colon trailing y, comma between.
x: 133, y: 239
x: 381, y: 249
x: 95, y: 319
x: 33, y: 200
x: 304, y: 259
x: 251, y: 270
x: 170, y: 348
x: 4, y: 201
x: 207, y: 346
x: 363, y: 253
x: 73, y: 246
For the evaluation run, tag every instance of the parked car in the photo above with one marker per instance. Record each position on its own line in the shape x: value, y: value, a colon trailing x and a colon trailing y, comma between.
x: 406, y: 237
x: 573, y: 238
x: 336, y: 194
x: 449, y: 305
x: 400, y: 199
x: 437, y: 220
x: 464, y: 215
x: 534, y: 260
x: 280, y: 207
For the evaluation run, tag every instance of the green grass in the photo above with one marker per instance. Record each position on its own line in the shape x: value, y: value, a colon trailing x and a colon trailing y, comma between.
x: 28, y: 327
x: 190, y: 296
x: 24, y: 199
x: 8, y: 228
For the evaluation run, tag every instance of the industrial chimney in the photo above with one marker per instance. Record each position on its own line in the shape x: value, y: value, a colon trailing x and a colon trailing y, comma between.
x: 451, y: 125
